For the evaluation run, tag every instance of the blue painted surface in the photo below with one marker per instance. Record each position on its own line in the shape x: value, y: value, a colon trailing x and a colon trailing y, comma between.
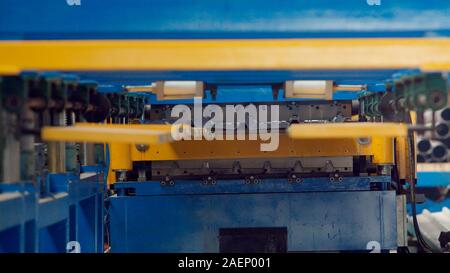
x: 138, y: 19
x: 317, y: 184
x: 70, y: 210
x: 433, y: 179
x: 316, y: 221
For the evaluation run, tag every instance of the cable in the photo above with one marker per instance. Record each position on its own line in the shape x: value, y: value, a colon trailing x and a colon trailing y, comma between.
x: 411, y: 152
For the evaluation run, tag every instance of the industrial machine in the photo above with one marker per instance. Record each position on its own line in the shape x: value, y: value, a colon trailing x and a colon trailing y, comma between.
x: 184, y: 136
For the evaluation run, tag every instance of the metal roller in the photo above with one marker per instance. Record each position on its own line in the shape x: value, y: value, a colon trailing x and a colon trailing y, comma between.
x: 439, y: 151
x: 309, y: 89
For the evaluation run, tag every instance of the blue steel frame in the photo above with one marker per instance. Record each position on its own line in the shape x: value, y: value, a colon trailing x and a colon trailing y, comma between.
x: 318, y: 214
x: 198, y: 19
x: 71, y: 209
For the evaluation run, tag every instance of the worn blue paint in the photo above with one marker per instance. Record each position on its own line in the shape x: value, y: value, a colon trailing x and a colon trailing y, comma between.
x: 316, y: 221
x: 317, y: 184
x: 187, y: 19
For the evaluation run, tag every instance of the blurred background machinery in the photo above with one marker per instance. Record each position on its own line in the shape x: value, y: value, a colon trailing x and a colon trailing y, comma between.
x: 88, y: 162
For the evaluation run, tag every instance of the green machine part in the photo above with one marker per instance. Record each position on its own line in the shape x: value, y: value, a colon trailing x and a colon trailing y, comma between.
x: 50, y: 89
x: 436, y: 93
x: 136, y: 104
x: 371, y: 104
x: 399, y: 95
x: 83, y: 93
x: 15, y: 92
x: 423, y: 91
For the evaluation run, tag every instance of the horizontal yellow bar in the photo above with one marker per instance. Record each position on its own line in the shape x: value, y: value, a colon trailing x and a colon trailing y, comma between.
x: 258, y: 54
x: 159, y: 127
x: 141, y: 88
x: 346, y: 130
x: 8, y: 70
x: 109, y: 133
x: 380, y: 148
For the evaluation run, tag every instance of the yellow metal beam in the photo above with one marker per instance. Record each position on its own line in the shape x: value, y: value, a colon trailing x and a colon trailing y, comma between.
x: 346, y: 130
x: 258, y: 54
x: 380, y: 148
x: 109, y: 133
x: 8, y: 70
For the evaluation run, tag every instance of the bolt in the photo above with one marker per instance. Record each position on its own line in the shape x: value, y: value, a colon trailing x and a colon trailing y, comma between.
x: 122, y: 176
x: 142, y: 147
x: 364, y: 140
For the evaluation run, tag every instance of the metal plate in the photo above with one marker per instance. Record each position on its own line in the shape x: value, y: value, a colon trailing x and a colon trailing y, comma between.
x: 321, y: 221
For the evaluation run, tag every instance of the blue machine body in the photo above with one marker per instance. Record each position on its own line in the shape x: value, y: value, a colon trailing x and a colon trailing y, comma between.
x: 71, y: 210
x: 318, y: 215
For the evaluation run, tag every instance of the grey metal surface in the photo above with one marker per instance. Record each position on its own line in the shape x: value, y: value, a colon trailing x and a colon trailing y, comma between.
x: 254, y: 166
x: 289, y: 111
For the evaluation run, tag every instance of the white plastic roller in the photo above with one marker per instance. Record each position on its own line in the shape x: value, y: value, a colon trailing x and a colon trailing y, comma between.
x: 309, y: 89
x: 178, y: 89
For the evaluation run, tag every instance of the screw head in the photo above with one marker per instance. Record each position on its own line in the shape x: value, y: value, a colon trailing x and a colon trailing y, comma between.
x: 142, y: 147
